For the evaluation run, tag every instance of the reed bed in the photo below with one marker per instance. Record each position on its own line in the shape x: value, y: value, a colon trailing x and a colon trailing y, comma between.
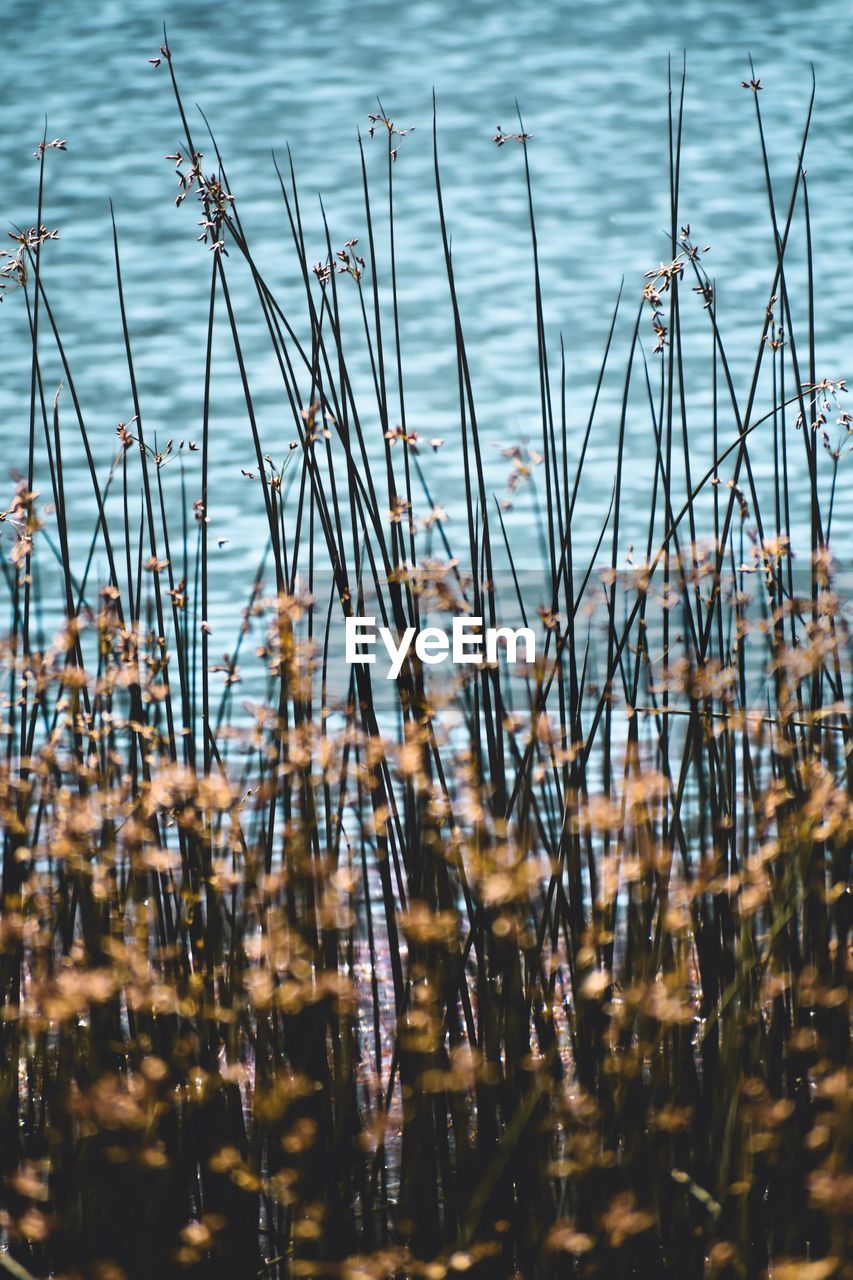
x: 538, y: 971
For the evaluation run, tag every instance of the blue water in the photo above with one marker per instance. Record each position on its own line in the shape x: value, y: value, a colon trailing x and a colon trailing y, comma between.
x: 591, y: 80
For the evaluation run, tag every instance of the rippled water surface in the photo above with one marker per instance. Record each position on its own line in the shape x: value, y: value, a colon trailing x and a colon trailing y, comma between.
x: 591, y: 81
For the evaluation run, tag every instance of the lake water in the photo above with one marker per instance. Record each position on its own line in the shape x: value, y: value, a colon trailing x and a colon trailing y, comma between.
x: 591, y: 81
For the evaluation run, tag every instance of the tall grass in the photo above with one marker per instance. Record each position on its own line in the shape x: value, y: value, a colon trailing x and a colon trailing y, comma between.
x: 537, y: 971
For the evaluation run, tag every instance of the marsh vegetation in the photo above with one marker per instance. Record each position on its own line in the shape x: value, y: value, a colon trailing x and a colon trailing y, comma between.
x: 537, y: 971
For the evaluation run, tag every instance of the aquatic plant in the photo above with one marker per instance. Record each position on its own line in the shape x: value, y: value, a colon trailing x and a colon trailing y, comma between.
x: 538, y: 971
